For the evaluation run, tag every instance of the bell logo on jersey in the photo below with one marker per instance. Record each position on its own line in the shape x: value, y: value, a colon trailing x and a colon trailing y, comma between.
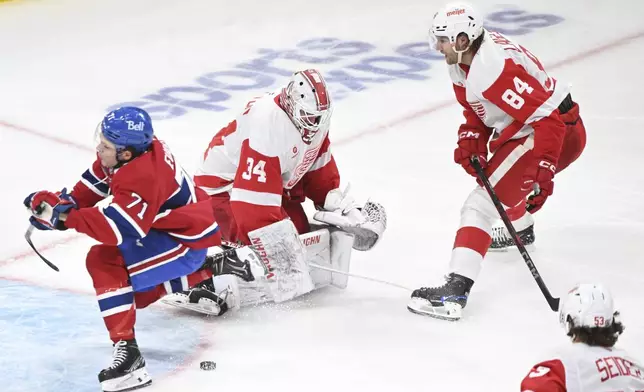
x: 132, y: 126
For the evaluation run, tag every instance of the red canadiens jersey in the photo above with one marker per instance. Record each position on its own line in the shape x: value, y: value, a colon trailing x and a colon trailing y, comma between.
x: 259, y: 158
x: 507, y: 90
x: 150, y: 192
x: 583, y: 368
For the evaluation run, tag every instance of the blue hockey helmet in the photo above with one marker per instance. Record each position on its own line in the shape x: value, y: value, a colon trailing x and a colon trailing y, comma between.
x: 128, y: 126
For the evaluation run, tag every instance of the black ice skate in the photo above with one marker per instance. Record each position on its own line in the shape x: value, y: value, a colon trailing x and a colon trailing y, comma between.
x: 501, y: 240
x: 127, y: 371
x: 203, y: 298
x: 231, y: 262
x: 444, y: 302
x: 242, y: 262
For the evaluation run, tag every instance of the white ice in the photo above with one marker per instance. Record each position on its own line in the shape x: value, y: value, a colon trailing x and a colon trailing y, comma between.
x: 65, y: 62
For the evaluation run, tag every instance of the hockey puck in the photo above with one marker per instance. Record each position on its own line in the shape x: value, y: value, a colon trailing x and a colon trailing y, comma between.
x: 208, y: 365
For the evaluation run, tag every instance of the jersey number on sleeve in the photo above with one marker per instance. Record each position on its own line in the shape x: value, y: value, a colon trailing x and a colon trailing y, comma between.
x: 256, y: 169
x: 138, y: 199
x: 513, y: 98
x: 539, y: 371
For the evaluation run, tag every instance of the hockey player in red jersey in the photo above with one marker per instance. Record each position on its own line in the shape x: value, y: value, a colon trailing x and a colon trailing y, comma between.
x: 260, y: 168
x: 533, y: 129
x: 153, y: 234
x: 591, y: 362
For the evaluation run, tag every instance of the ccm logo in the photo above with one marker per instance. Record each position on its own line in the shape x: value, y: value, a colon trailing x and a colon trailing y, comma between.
x: 547, y: 165
x: 469, y: 134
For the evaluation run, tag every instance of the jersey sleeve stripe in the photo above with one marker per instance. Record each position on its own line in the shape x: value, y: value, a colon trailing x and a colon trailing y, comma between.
x: 124, y: 222
x: 192, y: 238
x: 257, y: 198
x: 113, y: 226
x: 94, y: 184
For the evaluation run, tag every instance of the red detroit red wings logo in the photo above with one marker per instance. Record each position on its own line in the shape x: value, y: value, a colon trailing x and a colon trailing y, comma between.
x: 478, y: 109
x: 303, y: 167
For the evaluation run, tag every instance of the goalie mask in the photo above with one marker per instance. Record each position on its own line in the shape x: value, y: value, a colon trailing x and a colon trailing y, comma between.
x: 307, y: 102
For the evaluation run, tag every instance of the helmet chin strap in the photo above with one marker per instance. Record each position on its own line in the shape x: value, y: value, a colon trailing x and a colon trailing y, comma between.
x: 460, y: 54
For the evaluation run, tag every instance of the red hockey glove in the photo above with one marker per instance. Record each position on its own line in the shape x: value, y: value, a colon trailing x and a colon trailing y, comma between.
x: 538, y: 178
x: 471, y: 143
x: 46, y: 208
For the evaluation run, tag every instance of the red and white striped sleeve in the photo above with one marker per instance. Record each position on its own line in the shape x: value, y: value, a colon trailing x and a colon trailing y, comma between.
x: 472, y: 121
x: 256, y: 196
x: 323, y: 176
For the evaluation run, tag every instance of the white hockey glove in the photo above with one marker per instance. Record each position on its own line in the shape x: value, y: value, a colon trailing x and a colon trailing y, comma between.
x: 367, y: 223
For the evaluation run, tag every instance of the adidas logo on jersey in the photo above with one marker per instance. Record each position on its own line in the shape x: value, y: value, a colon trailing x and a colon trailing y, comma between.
x: 132, y: 126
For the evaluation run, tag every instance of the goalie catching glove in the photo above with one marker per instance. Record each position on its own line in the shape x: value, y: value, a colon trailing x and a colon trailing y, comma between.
x: 367, y: 223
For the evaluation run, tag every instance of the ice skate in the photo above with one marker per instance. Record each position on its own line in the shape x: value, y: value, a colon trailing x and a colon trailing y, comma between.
x: 127, y: 371
x: 443, y: 302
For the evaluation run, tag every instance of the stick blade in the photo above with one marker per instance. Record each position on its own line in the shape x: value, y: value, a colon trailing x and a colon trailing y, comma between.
x: 28, y: 238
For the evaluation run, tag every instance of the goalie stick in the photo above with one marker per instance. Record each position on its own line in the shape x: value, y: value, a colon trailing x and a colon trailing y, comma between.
x: 335, y: 271
x: 553, y: 302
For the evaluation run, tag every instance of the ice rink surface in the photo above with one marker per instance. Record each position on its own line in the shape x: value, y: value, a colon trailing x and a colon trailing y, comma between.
x: 193, y: 64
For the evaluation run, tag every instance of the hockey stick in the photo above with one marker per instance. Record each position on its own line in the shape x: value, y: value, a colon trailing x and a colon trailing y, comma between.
x: 313, y: 265
x: 553, y: 302
x: 30, y: 230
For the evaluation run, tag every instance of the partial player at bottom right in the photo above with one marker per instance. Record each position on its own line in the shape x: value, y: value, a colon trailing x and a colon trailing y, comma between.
x: 591, y: 362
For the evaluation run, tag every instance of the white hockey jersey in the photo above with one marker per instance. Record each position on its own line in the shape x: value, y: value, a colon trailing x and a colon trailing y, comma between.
x: 260, y: 157
x: 507, y: 90
x: 583, y: 368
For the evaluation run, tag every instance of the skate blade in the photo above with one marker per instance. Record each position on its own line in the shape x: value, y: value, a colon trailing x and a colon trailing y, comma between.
x: 205, y: 306
x: 530, y: 248
x: 450, y: 311
x: 135, y: 380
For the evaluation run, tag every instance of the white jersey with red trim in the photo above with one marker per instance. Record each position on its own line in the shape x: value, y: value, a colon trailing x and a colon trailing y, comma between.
x: 507, y: 87
x: 259, y: 157
x: 583, y: 368
x: 269, y: 131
